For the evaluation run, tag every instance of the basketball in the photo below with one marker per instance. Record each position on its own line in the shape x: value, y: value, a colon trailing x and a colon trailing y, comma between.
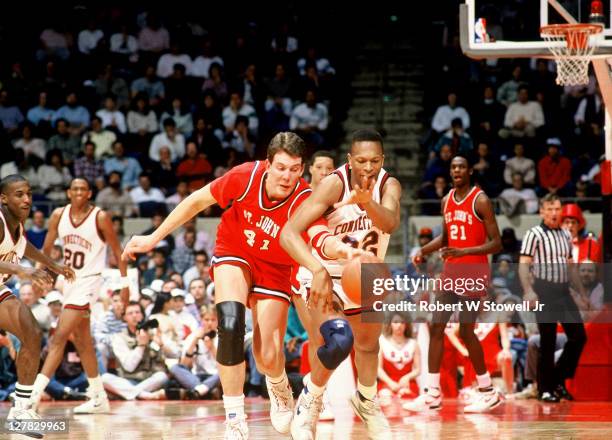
x: 351, y: 276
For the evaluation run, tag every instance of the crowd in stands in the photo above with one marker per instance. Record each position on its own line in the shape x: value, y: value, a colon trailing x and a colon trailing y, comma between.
x: 161, y: 108
x: 526, y: 135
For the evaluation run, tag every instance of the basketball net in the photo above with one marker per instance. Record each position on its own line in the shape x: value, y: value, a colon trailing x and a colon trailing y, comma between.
x: 574, y: 53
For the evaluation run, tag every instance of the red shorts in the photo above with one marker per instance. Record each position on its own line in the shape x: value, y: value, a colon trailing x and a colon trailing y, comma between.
x: 268, y: 281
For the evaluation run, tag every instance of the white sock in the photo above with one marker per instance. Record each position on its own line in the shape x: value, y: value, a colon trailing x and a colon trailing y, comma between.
x: 95, y: 384
x: 234, y: 406
x: 23, y: 392
x: 39, y: 386
x: 484, y: 381
x: 279, y: 379
x: 369, y: 392
x: 313, y: 389
x: 433, y: 380
x: 202, y: 389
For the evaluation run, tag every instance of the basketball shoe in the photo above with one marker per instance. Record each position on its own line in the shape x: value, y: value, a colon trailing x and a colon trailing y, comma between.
x: 22, y: 410
x: 307, y: 409
x: 97, y: 404
x: 281, y: 405
x: 370, y: 413
x: 326, y: 414
x: 484, y: 401
x: 236, y: 428
x: 431, y: 399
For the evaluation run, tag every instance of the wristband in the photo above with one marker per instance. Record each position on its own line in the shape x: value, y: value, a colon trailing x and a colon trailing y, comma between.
x: 125, y: 282
x: 318, y: 243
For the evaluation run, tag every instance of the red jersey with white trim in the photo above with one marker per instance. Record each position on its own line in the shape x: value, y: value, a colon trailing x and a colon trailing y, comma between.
x: 253, y: 222
x: 465, y: 229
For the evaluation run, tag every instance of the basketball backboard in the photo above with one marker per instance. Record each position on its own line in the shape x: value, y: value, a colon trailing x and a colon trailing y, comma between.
x: 514, y: 26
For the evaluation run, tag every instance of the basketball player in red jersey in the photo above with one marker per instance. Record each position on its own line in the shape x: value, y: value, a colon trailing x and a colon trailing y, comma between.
x: 85, y: 231
x: 250, y: 268
x: 469, y: 234
x: 15, y: 317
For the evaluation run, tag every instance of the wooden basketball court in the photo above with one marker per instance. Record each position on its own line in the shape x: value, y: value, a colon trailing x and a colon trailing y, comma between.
x: 204, y: 420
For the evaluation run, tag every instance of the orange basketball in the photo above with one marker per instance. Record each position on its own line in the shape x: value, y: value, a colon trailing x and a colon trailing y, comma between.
x: 351, y: 276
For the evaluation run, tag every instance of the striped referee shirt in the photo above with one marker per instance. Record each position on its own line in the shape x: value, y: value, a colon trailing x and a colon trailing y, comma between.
x: 550, y: 249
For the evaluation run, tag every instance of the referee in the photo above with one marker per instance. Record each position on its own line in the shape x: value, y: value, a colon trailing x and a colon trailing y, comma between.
x: 547, y: 250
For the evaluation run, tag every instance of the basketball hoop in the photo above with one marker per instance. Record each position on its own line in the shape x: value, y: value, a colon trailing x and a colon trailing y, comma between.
x: 574, y: 56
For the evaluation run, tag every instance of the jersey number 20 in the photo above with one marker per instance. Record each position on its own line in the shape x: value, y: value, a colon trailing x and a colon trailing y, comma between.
x: 76, y: 260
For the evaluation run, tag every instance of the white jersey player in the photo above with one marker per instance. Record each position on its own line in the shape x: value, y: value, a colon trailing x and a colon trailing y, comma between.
x: 361, y: 204
x: 85, y: 231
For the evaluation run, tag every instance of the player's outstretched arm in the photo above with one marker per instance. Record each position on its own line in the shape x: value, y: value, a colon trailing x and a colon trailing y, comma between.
x: 39, y: 278
x: 197, y: 202
x: 34, y: 254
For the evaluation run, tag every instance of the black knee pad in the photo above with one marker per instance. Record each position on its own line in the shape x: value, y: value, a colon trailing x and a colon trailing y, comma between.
x: 231, y: 315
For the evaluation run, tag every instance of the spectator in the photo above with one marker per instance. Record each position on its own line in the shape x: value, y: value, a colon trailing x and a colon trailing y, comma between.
x: 197, y: 289
x: 128, y: 167
x: 440, y: 166
x: 153, y: 38
x: 145, y: 193
x: 22, y: 166
x: 75, y: 114
x: 161, y: 312
x: 280, y: 87
x: 37, y: 306
x: 124, y: 44
x: 103, y: 139
x: 523, y: 117
x: 37, y: 232
x: 510, y: 245
x: 182, y: 118
x: 141, y: 368
x: 324, y: 67
x: 111, y: 323
x: 54, y: 177
x: 163, y: 172
x: 10, y: 115
x: 160, y: 269
x: 169, y: 138
x: 240, y: 139
x: 183, y: 257
x: 142, y: 123
x: 488, y: 116
x: 589, y: 294
x: 203, y: 241
x: 212, y: 113
x: 150, y: 86
x: 519, y: 164
x: 197, y: 370
x: 178, y: 85
x: 310, y: 119
x: 147, y: 297
x: 112, y: 118
x: 41, y: 113
x: 206, y: 141
x: 54, y: 44
x: 201, y: 65
x: 282, y: 38
x: 185, y: 323
x: 89, y: 38
x: 518, y: 200
x: 321, y: 166
x: 485, y: 170
x: 33, y: 147
x: 399, y: 360
x: 505, y: 270
x: 182, y: 191
x: 253, y: 89
x: 445, y: 114
x: 459, y: 141
x: 167, y: 61
x: 216, y: 83
x: 65, y: 141
x: 555, y: 170
x: 9, y: 347
x: 201, y: 270
x: 194, y: 168
x: 424, y: 237
x: 433, y: 194
x: 69, y: 381
x: 584, y: 245
x: 508, y: 92
x: 88, y: 167
x: 237, y: 107
x: 156, y: 219
x: 277, y: 118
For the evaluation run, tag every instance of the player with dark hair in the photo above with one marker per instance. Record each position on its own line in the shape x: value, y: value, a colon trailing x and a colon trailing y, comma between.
x: 85, y: 232
x: 15, y: 317
x: 251, y: 269
x: 360, y: 202
x: 469, y: 234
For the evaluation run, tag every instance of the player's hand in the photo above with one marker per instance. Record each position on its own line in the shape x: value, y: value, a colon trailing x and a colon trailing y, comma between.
x: 449, y: 252
x: 418, y: 259
x: 531, y: 297
x: 39, y: 278
x: 321, y: 291
x: 138, y: 244
x: 66, y: 271
x: 361, y: 194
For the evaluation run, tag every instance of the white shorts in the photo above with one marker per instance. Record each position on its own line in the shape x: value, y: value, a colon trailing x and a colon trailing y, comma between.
x: 82, y: 293
x: 350, y: 308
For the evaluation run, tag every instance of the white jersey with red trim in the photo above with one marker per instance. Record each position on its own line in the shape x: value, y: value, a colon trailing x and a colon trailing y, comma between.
x: 84, y: 248
x: 352, y: 225
x: 11, y: 251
